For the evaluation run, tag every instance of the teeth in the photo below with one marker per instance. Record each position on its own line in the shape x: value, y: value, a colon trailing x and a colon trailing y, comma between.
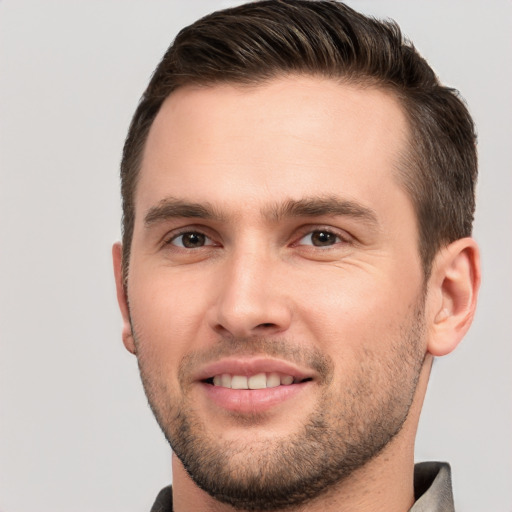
x: 225, y: 380
x: 258, y: 381
x: 239, y: 382
x: 273, y: 380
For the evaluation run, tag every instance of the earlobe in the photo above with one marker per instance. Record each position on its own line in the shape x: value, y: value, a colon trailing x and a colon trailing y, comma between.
x: 454, y: 284
x: 117, y: 257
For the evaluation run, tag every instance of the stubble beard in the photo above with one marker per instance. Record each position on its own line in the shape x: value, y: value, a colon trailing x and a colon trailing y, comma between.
x: 347, y: 429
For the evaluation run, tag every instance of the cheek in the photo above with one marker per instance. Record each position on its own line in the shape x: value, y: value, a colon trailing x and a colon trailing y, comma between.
x: 166, y: 311
x: 351, y: 311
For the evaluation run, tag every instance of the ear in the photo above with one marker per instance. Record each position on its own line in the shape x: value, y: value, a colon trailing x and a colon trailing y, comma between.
x: 117, y: 256
x: 453, y: 290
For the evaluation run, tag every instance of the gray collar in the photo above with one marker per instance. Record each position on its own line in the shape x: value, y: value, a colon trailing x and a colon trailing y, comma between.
x: 433, y: 487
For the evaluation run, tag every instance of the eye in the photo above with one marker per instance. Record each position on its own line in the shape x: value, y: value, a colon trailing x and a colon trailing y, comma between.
x: 320, y: 238
x: 191, y: 240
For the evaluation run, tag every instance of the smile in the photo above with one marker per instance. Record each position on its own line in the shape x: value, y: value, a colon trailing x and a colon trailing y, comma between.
x: 257, y: 381
x: 249, y: 385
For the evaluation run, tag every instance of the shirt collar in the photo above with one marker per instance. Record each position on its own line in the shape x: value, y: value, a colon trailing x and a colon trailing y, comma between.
x: 433, y: 487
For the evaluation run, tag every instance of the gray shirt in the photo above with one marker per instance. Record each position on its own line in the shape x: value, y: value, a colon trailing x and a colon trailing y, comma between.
x: 433, y: 488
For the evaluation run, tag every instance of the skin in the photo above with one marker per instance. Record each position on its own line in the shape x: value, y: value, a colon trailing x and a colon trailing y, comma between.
x: 259, y: 287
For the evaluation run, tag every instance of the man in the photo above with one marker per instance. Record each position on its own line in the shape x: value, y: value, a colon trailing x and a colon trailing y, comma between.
x: 298, y: 194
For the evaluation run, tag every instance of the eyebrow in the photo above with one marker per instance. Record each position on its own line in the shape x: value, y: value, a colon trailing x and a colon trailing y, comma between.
x: 170, y: 208
x: 320, y: 206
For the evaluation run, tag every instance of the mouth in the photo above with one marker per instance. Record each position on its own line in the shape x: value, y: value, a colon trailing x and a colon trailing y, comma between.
x: 252, y: 385
x: 260, y: 380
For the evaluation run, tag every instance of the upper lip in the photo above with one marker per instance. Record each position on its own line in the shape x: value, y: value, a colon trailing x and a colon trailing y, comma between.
x: 251, y: 366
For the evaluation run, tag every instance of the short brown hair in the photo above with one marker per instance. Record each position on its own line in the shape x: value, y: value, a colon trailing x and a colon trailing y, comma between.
x: 255, y: 42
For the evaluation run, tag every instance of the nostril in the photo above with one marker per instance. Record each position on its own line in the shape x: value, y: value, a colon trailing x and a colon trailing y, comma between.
x: 266, y: 325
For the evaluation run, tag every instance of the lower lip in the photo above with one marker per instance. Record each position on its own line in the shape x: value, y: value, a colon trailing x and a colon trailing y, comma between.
x: 252, y: 400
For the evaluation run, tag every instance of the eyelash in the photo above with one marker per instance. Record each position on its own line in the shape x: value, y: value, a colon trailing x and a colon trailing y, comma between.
x: 174, y: 236
x: 340, y: 238
x: 310, y: 234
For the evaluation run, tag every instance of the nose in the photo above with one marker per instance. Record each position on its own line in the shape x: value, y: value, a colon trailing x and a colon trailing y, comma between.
x: 251, y: 297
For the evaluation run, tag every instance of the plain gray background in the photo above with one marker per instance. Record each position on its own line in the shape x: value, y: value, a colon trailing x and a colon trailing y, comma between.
x: 75, y: 431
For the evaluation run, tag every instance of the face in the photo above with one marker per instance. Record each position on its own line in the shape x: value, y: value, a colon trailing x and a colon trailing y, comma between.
x: 275, y: 288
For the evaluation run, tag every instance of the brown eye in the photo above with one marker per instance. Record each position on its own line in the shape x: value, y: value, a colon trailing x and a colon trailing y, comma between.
x: 320, y: 238
x: 191, y: 240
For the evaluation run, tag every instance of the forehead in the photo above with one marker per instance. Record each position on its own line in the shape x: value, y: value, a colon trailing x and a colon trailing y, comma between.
x: 277, y: 140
